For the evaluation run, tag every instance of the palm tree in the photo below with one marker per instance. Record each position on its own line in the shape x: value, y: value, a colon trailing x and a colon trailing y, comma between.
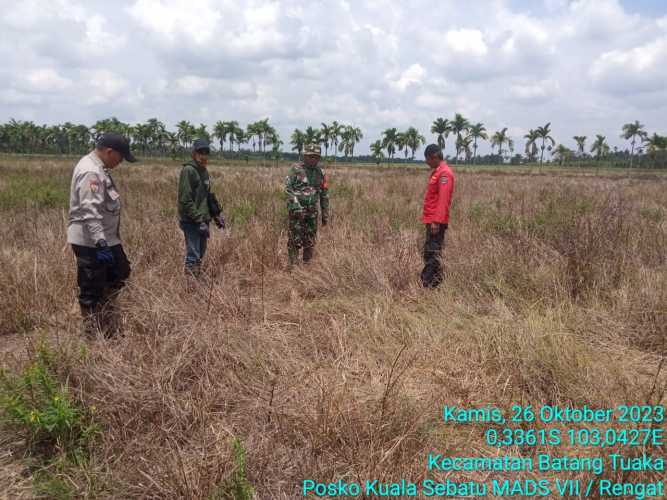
x: 251, y: 134
x: 531, y: 144
x: 376, y: 151
x: 543, y: 133
x: 273, y: 139
x: 325, y: 135
x: 441, y: 127
x: 239, y: 136
x: 389, y: 139
x: 631, y: 131
x: 600, y: 146
x: 350, y: 137
x: 262, y: 129
x: 464, y: 145
x: 172, y: 140
x: 313, y: 135
x: 402, y: 143
x: 220, y: 131
x: 297, y: 140
x: 234, y: 134
x: 457, y: 126
x: 655, y: 144
x: 414, y: 139
x: 336, y: 131
x: 581, y: 144
x: 185, y: 132
x: 562, y: 153
x: 501, y: 138
x: 477, y: 131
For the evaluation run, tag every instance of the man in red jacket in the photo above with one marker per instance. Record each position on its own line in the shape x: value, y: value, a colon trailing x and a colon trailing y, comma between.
x: 437, y: 201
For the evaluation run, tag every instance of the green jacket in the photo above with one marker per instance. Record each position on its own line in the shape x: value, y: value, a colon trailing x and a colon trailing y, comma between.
x: 305, y: 187
x: 193, y: 188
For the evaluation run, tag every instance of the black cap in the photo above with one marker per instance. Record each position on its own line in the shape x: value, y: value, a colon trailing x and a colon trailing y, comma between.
x: 117, y: 142
x: 431, y: 149
x: 201, y: 145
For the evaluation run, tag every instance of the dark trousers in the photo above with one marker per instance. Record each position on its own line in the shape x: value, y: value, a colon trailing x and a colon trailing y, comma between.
x: 99, y: 282
x: 431, y: 275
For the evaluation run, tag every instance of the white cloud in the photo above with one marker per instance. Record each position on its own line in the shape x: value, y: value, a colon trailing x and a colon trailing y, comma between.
x: 178, y: 20
x: 600, y: 19
x: 104, y: 86
x: 640, y: 68
x: 466, y: 41
x: 12, y: 96
x: 535, y: 91
x: 193, y: 85
x: 98, y: 39
x: 413, y: 75
x: 47, y: 80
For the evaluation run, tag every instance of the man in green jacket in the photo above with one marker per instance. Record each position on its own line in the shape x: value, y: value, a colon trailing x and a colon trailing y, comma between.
x: 194, y: 214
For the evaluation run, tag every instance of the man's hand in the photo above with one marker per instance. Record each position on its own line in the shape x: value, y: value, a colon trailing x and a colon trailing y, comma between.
x: 220, y: 222
x: 203, y: 230
x: 103, y: 254
x: 435, y: 227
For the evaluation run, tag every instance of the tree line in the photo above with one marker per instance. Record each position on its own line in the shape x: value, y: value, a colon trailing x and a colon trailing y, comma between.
x: 152, y: 138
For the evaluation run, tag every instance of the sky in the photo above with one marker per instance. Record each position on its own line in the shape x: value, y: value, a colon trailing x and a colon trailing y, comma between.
x: 586, y: 66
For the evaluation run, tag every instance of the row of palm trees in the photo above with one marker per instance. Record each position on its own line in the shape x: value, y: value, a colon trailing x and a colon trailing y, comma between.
x: 652, y: 145
x: 393, y: 140
x: 340, y: 137
x: 467, y: 135
x: 149, y: 138
x: 153, y: 138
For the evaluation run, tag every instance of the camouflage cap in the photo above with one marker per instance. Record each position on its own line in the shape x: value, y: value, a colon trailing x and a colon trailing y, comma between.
x: 312, y: 150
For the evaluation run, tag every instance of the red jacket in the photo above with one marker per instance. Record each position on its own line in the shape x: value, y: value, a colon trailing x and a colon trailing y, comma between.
x: 438, y: 195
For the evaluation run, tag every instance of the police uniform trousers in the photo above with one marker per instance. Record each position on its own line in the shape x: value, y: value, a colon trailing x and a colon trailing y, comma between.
x: 99, y: 282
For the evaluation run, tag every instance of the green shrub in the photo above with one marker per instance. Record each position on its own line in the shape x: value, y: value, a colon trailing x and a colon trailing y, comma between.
x: 36, y: 404
x: 237, y: 487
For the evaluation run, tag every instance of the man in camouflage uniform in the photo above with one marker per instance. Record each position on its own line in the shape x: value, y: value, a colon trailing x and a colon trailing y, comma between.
x: 305, y: 186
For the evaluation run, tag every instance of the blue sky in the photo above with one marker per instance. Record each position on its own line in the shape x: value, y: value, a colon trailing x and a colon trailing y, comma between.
x: 586, y: 66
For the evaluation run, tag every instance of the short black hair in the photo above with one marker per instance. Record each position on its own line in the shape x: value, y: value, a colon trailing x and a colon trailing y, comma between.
x: 433, y: 149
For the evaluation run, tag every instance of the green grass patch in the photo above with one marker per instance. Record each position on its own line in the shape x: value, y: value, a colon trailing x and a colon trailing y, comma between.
x: 22, y: 191
x: 241, y: 213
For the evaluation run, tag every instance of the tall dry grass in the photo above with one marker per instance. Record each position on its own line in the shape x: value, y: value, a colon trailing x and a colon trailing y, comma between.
x: 555, y: 292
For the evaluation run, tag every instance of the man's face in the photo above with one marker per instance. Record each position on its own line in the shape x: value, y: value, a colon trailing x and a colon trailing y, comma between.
x: 201, y: 157
x: 110, y: 157
x: 311, y: 160
x: 433, y: 161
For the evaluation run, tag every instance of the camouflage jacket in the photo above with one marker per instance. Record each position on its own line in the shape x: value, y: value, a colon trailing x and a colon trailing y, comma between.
x: 305, y: 186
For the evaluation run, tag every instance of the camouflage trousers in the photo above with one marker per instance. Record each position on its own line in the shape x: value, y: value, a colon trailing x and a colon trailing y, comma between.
x: 302, y: 233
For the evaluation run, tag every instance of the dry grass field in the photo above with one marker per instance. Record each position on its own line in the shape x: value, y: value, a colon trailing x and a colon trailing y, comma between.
x: 258, y: 378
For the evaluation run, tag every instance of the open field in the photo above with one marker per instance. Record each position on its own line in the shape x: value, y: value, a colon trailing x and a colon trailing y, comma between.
x: 555, y: 293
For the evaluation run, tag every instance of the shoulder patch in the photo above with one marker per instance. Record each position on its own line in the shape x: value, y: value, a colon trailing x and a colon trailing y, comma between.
x: 94, y: 186
x: 443, y: 179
